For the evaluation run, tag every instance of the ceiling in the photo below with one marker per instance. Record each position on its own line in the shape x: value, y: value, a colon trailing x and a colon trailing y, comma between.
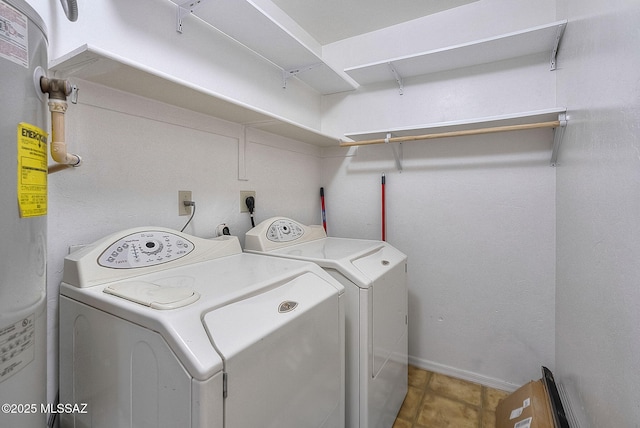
x: 331, y: 20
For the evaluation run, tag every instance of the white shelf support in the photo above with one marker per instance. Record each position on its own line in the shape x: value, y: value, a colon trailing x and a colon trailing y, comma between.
x: 185, y: 9
x: 554, y: 51
x: 397, y: 152
x: 398, y: 78
x: 557, y: 138
x: 287, y: 74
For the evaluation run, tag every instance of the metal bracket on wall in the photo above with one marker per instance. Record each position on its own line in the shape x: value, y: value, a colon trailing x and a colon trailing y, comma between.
x: 397, y: 153
x: 287, y: 74
x: 185, y: 9
x: 557, y: 138
x: 73, y: 97
x: 397, y: 77
x: 554, y: 52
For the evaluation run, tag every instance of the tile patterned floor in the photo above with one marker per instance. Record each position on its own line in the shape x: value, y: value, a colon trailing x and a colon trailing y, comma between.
x: 438, y: 401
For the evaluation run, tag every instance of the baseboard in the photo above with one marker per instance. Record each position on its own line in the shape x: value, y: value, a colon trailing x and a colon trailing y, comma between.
x: 463, y: 374
x: 569, y: 405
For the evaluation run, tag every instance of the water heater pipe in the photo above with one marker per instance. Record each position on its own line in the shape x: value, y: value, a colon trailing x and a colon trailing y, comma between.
x: 58, y: 89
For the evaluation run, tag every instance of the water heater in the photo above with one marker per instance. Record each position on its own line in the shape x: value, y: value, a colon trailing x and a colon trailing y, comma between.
x: 23, y: 221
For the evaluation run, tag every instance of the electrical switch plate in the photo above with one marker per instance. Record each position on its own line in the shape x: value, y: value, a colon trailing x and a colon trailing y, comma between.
x: 184, y: 195
x: 244, y: 194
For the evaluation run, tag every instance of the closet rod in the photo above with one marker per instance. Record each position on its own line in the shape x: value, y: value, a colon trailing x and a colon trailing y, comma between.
x: 506, y: 128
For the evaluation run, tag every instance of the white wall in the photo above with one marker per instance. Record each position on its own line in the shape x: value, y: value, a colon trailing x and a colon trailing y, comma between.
x: 598, y: 201
x: 138, y: 153
x: 475, y: 215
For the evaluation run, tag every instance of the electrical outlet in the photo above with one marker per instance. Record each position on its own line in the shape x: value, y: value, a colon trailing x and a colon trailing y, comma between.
x: 244, y: 194
x: 184, y: 195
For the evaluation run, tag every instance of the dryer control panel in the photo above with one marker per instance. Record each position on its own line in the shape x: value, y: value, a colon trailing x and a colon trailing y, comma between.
x: 284, y: 230
x: 278, y: 232
x: 143, y: 249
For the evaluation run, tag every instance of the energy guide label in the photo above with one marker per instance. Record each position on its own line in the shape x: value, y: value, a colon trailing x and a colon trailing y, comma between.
x: 16, y: 346
x: 32, y: 170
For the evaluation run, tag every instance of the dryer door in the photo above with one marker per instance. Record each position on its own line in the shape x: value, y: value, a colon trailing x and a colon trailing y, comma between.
x: 386, y: 270
x: 283, y: 355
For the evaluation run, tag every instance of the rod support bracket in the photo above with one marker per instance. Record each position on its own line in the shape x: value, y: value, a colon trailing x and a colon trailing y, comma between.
x: 397, y: 152
x: 558, y: 133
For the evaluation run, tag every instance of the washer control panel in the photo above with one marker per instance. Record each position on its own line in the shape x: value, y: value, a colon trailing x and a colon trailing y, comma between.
x: 284, y: 230
x: 144, y: 249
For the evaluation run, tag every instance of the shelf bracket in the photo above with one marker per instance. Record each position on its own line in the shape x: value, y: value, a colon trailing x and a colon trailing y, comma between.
x: 185, y: 9
x: 287, y: 74
x: 397, y: 77
x: 397, y: 152
x: 554, y: 52
x: 557, y: 138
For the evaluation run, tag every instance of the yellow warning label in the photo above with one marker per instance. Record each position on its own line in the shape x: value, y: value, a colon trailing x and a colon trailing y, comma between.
x: 32, y: 170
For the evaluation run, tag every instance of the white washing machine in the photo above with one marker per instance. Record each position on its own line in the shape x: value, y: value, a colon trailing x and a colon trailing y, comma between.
x: 163, y: 329
x: 374, y: 275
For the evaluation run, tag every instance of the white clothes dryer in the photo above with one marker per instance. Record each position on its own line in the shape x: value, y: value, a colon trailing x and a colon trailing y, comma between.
x: 374, y: 275
x: 163, y: 329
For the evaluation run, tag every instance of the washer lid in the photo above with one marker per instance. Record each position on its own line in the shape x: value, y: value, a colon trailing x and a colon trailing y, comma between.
x: 283, y: 353
x: 153, y: 295
x: 331, y: 249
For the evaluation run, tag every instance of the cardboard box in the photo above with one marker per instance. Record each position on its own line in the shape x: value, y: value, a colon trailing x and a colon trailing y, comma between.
x: 528, y: 407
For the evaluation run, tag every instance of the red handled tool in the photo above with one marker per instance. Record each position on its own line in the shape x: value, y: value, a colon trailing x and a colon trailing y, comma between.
x: 384, y: 218
x: 324, y: 214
